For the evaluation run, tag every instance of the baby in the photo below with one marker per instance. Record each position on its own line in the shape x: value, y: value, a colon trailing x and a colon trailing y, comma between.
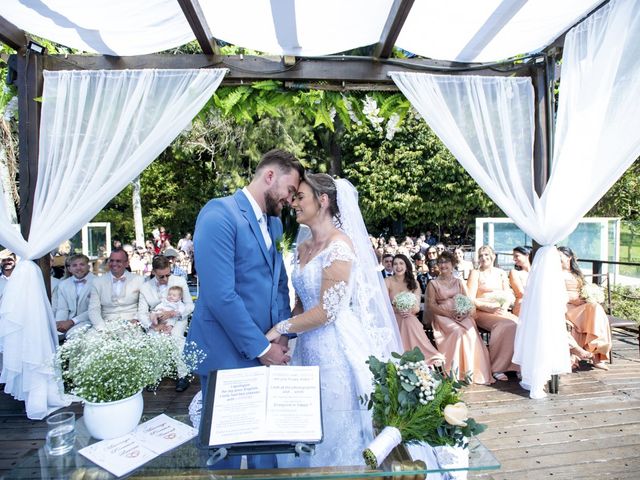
x: 173, y: 302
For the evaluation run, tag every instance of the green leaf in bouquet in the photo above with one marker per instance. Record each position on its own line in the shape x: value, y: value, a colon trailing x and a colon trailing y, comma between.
x: 407, y: 387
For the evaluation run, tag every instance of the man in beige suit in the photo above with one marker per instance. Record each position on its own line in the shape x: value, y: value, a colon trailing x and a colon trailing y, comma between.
x: 152, y: 293
x: 114, y: 295
x: 72, y: 309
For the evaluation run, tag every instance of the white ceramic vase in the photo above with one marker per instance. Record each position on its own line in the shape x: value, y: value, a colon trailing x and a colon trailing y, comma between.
x: 113, y: 419
x: 453, y: 457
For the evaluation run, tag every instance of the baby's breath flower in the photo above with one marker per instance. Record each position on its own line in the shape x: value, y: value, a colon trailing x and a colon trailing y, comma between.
x: 120, y: 360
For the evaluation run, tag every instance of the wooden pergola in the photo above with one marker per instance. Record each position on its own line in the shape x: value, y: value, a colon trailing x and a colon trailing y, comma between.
x: 336, y: 72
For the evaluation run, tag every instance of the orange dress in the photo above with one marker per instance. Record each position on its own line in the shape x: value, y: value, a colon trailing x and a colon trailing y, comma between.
x: 502, y: 326
x: 463, y: 349
x: 413, y: 335
x: 590, y: 323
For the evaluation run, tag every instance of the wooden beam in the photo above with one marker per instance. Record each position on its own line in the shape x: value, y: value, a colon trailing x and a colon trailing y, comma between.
x: 30, y: 82
x: 243, y: 68
x: 12, y: 35
x: 198, y: 23
x: 397, y: 16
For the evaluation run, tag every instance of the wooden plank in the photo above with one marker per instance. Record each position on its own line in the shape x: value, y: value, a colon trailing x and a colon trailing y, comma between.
x: 12, y: 35
x: 359, y: 70
x: 395, y: 20
x: 198, y: 23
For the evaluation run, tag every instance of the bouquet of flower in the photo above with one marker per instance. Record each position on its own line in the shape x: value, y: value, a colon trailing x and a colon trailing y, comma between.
x: 413, y: 403
x: 462, y: 304
x: 119, y: 361
x: 592, y: 293
x: 405, y: 301
x: 504, y: 298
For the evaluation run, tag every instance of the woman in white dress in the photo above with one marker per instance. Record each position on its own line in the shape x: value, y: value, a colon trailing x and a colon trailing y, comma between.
x: 342, y: 315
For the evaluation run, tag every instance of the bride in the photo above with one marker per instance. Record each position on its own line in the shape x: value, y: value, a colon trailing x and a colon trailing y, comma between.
x: 342, y: 315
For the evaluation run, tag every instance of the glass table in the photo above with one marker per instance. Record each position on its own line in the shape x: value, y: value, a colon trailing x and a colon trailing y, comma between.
x: 188, y: 461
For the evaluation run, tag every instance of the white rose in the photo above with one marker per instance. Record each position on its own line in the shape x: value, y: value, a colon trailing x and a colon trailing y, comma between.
x: 456, y: 414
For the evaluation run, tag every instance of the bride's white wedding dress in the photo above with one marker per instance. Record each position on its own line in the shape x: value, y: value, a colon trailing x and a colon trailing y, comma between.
x: 340, y: 348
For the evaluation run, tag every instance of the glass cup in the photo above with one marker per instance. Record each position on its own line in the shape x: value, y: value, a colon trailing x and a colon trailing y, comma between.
x: 61, y: 433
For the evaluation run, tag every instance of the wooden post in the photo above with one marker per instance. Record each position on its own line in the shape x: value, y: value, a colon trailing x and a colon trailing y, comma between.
x: 542, y: 146
x: 30, y: 82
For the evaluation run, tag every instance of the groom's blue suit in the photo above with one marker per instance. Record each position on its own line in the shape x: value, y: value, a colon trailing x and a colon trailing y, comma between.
x: 243, y: 285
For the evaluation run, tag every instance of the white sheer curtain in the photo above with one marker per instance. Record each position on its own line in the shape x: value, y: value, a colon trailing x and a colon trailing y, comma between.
x: 99, y: 130
x: 487, y: 123
x: 462, y: 30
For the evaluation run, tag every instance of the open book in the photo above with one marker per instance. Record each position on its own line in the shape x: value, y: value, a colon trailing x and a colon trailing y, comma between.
x: 265, y: 404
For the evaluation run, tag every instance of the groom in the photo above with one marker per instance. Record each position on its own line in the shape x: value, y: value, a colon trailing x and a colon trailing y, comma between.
x: 243, y: 283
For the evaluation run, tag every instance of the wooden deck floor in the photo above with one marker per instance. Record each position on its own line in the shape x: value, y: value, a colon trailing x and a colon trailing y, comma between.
x: 590, y: 430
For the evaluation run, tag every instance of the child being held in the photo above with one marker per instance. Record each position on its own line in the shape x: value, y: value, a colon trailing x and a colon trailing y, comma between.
x: 172, y: 303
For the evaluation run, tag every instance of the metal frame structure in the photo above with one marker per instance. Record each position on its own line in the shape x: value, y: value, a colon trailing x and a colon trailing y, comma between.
x: 337, y: 72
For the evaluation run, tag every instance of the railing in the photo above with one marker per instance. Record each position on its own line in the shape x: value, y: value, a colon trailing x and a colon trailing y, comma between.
x: 504, y: 260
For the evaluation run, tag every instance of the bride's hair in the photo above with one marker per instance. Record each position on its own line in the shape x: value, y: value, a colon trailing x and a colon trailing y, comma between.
x: 323, y: 184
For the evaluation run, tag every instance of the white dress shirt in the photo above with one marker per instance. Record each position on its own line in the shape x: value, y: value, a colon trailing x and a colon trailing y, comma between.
x: 261, y: 217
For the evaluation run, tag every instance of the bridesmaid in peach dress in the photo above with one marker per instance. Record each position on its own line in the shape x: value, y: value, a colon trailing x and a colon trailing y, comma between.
x: 590, y: 323
x: 411, y: 330
x: 483, y: 284
x: 518, y: 276
x: 456, y: 335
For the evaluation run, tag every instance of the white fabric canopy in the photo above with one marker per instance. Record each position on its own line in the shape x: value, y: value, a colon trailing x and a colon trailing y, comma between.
x: 487, y: 123
x: 462, y: 30
x: 98, y: 130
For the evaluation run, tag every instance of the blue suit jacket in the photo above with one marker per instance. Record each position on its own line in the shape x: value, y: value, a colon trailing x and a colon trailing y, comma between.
x: 243, y: 286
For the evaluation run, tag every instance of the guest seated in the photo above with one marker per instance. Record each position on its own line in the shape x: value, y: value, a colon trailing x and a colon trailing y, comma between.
x: 518, y: 280
x: 72, y: 310
x: 519, y: 275
x: 590, y: 325
x: 172, y: 255
x: 455, y: 331
x: 489, y: 288
x: 171, y: 321
x: 464, y: 267
x: 411, y: 331
x: 114, y: 296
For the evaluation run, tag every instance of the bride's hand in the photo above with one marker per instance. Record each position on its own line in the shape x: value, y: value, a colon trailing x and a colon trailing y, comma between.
x: 273, y: 335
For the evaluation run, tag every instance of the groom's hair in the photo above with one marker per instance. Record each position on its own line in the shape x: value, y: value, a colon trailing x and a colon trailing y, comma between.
x: 283, y: 160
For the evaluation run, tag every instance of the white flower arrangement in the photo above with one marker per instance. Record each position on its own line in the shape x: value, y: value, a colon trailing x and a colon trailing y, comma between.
x: 504, y: 298
x: 592, y: 293
x: 462, y: 304
x: 405, y: 301
x: 422, y: 378
x: 118, y: 361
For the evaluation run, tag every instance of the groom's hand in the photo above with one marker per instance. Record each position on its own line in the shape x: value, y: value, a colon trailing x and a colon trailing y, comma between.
x: 276, y: 355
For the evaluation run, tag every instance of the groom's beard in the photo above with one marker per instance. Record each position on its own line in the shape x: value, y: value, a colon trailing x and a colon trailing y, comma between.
x: 272, y: 206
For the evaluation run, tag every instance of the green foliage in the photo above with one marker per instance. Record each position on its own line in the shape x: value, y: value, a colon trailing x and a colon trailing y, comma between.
x: 623, y: 198
x: 625, y: 302
x: 412, y: 178
x: 401, y: 403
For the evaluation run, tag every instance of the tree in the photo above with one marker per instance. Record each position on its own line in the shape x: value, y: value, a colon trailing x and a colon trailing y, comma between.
x: 411, y: 181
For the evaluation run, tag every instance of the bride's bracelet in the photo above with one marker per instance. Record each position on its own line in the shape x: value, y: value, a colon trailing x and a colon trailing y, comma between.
x: 283, y: 327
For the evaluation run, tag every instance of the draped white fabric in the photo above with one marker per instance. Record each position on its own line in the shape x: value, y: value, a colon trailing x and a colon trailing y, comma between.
x: 99, y: 130
x: 462, y: 30
x: 598, y: 137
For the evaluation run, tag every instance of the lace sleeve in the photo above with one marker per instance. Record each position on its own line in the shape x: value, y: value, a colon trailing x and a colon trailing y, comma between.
x: 336, y: 270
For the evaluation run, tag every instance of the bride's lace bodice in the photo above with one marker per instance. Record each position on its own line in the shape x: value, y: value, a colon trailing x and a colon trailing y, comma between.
x: 335, y: 345
x: 308, y: 280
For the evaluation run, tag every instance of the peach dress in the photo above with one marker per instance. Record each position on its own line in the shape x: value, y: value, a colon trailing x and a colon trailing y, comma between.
x: 590, y: 323
x: 502, y: 326
x: 518, y: 290
x: 463, y: 349
x: 413, y: 335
